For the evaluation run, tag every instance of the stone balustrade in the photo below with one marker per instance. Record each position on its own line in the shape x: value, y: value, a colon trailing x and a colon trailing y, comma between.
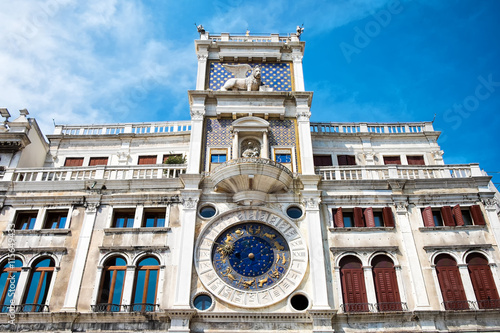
x: 382, y: 128
x: 382, y: 172
x: 94, y: 173
x: 135, y: 128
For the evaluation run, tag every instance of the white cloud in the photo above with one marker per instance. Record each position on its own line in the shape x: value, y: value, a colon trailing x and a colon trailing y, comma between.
x: 85, y: 62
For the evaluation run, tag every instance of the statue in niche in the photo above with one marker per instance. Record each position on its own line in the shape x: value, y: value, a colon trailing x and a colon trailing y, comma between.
x: 250, y: 148
x: 240, y: 80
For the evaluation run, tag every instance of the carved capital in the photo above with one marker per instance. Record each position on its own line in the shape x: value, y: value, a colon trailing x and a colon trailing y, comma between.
x: 202, y: 57
x: 311, y: 203
x: 189, y: 202
x: 438, y: 154
x: 297, y: 57
x: 401, y: 206
x: 303, y: 115
x: 197, y: 114
x: 490, y: 203
x: 91, y: 207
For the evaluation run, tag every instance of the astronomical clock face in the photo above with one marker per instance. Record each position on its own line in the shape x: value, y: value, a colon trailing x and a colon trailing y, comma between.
x: 251, y: 257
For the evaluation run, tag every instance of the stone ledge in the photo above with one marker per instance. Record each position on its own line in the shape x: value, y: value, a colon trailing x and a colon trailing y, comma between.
x: 39, y: 231
x: 136, y: 230
x: 361, y: 229
x: 453, y: 228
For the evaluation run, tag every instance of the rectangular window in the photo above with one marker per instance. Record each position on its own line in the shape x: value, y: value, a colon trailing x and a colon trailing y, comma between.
x: 98, y: 161
x: 123, y: 218
x: 322, y: 160
x: 26, y: 220
x: 392, y: 160
x: 452, y: 216
x: 346, y: 159
x: 143, y: 160
x: 218, y: 158
x: 415, y: 160
x: 73, y: 161
x: 283, y: 158
x: 154, y: 218
x: 363, y: 217
x: 55, y: 219
x: 173, y: 159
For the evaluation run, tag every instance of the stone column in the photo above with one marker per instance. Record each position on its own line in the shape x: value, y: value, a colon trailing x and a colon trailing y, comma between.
x: 492, y: 217
x: 189, y: 199
x: 298, y: 75
x: 311, y: 200
x: 304, y: 133
x: 371, y: 296
x: 195, y: 144
x: 128, y: 285
x: 22, y: 284
x: 202, y: 68
x: 409, y: 250
x: 466, y: 282
x: 264, y: 151
x: 235, y: 145
x: 80, y: 259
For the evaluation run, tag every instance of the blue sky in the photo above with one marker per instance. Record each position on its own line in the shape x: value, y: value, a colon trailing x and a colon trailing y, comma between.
x: 112, y: 61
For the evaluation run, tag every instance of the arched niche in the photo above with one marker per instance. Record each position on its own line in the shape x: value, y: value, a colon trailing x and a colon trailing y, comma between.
x: 250, y: 137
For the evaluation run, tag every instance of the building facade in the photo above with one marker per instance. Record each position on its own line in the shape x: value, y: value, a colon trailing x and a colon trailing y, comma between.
x: 247, y: 217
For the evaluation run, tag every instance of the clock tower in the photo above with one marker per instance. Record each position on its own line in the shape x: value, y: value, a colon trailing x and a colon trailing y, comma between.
x: 252, y: 234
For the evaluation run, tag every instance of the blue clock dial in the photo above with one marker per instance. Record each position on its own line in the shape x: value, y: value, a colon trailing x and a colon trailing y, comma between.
x: 251, y: 256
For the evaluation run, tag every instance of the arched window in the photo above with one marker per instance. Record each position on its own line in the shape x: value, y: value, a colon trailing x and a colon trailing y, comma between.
x: 38, y: 286
x: 146, y: 282
x: 111, y: 290
x: 482, y: 281
x: 450, y: 283
x: 9, y: 275
x: 353, y: 285
x: 386, y: 284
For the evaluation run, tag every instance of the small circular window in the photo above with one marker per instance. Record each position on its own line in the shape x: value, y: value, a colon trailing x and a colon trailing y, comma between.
x: 299, y: 302
x: 202, y: 302
x: 294, y: 212
x: 207, y: 211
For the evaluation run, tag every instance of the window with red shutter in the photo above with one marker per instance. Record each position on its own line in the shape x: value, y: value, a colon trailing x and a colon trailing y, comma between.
x: 98, y: 161
x: 477, y: 215
x: 482, y: 281
x: 386, y: 284
x: 358, y: 217
x: 338, y: 218
x: 346, y: 159
x: 73, y: 161
x: 457, y: 215
x: 322, y: 160
x: 427, y: 216
x: 353, y: 285
x: 450, y: 283
x: 392, y: 160
x: 388, y: 217
x: 447, y: 216
x: 147, y: 160
x: 369, y: 217
x: 415, y: 160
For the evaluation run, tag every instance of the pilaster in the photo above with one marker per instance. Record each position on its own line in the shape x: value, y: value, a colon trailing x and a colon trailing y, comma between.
x: 195, y: 144
x: 305, y: 141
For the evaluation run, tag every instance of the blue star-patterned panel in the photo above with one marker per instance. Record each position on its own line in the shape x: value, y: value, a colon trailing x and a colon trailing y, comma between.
x: 275, y: 75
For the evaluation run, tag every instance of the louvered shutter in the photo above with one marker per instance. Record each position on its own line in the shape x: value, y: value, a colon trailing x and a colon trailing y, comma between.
x: 370, y: 221
x: 353, y: 290
x: 483, y: 283
x: 427, y: 216
x: 477, y: 215
x: 358, y: 217
x: 457, y: 215
x: 338, y: 218
x: 386, y: 288
x: 73, y: 161
x: 451, y: 285
x: 388, y: 217
x: 447, y: 216
x: 143, y: 160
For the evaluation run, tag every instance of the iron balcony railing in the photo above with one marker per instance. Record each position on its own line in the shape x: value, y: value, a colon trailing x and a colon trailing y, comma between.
x: 377, y: 307
x: 135, y: 307
x: 358, y: 307
x: 32, y: 308
x: 391, y: 306
x: 472, y: 305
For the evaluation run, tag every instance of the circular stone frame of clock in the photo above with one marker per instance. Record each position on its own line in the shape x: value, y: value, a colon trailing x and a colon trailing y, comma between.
x: 251, y: 299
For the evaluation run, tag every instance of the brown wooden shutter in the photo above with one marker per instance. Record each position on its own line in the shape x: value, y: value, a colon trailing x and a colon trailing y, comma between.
x: 73, y: 161
x: 450, y: 284
x: 392, y: 160
x: 342, y: 159
x: 447, y: 216
x: 386, y: 285
x: 415, y: 160
x: 147, y: 160
x: 338, y: 218
x: 322, y: 160
x: 482, y: 282
x: 351, y: 159
x: 457, y: 215
x: 388, y: 217
x: 477, y: 215
x: 98, y: 161
x: 369, y: 219
x: 353, y: 288
x: 358, y: 217
x: 427, y: 216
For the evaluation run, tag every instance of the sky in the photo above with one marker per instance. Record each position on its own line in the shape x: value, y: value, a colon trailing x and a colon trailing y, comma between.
x: 109, y: 61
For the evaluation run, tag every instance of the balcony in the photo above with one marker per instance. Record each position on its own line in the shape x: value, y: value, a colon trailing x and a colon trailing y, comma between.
x: 378, y: 128
x: 161, y: 171
x: 251, y: 179
x: 132, y: 128
x: 385, y: 172
x: 377, y: 307
x: 135, y: 307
